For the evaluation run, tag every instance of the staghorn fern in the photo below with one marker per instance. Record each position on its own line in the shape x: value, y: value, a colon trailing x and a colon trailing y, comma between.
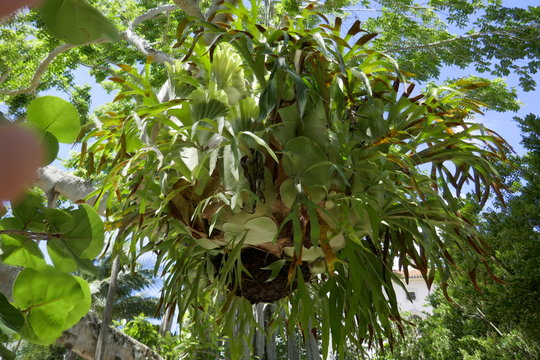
x: 293, y: 164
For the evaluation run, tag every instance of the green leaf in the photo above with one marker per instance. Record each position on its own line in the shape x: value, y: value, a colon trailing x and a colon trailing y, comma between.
x: 306, y: 160
x: 56, y: 116
x: 275, y: 267
x: 260, y: 230
x: 6, y: 354
x: 52, y: 300
x: 50, y: 142
x: 288, y: 193
x: 76, y: 22
x: 88, y: 234
x: 28, y: 209
x: 11, y: 319
x: 233, y: 232
x: 82, y: 230
x: 315, y: 125
x: 21, y: 251
x: 82, y: 307
x: 61, y: 255
x: 360, y: 75
x: 261, y: 142
x: 206, y: 244
x: 80, y: 241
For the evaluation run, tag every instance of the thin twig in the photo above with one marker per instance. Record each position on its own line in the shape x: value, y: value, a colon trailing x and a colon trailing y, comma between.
x: 448, y: 41
x: 31, y: 234
x: 363, y: 10
x: 5, y: 76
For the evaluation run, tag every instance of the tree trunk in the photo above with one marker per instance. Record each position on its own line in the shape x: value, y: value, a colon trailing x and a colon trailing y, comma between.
x: 82, y: 340
x: 312, y: 347
x: 293, y: 352
x: 8, y: 274
x: 70, y: 355
x: 107, y: 312
x: 260, y: 338
x: 166, y: 323
x: 245, y: 341
x: 271, y: 353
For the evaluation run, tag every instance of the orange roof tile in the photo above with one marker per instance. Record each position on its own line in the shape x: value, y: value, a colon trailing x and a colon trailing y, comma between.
x: 413, y: 273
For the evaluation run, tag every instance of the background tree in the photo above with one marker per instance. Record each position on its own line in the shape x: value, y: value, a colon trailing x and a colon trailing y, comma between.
x: 132, y: 297
x: 494, y: 320
x: 424, y: 37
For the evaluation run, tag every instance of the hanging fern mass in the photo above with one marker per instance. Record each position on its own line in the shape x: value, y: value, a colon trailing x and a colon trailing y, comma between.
x: 293, y: 164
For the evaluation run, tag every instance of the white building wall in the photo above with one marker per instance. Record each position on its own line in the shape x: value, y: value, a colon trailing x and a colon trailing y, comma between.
x: 419, y: 305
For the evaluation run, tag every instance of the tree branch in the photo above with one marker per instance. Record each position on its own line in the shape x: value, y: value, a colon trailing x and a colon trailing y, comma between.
x: 82, y: 340
x: 107, y: 312
x: 362, y: 10
x: 4, y: 76
x: 152, y: 13
x: 42, y: 67
x: 72, y: 187
x: 447, y: 41
x: 190, y: 7
x: 8, y: 274
x: 129, y: 35
x: 144, y: 47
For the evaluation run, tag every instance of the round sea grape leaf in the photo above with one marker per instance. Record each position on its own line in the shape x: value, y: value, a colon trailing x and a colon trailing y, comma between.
x: 76, y: 22
x: 82, y: 307
x: 260, y: 230
x: 88, y: 235
x: 50, y: 143
x: 11, y: 319
x: 11, y: 223
x: 48, y: 296
x: 61, y: 256
x: 56, y: 218
x: 21, y: 251
x: 28, y: 208
x: 65, y: 260
x: 82, y: 229
x: 55, y: 115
